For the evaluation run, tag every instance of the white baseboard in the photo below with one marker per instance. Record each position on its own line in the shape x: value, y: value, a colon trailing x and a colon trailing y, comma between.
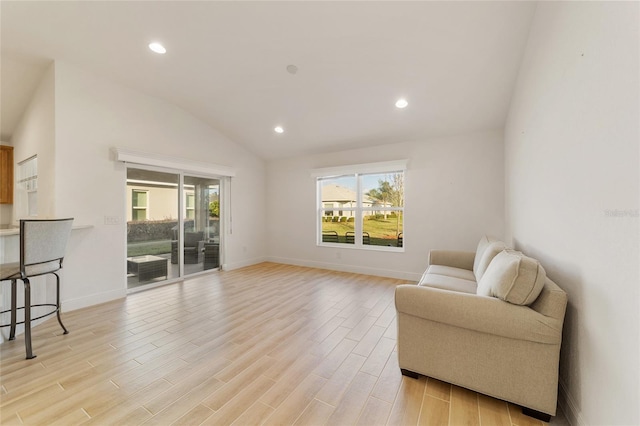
x: 244, y: 263
x: 379, y: 272
x: 93, y: 299
x: 569, y: 407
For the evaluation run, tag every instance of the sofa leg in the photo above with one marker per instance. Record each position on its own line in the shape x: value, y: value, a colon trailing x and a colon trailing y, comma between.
x: 536, y: 414
x: 409, y: 373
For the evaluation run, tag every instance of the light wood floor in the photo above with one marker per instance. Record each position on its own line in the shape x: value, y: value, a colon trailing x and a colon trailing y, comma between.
x: 267, y: 344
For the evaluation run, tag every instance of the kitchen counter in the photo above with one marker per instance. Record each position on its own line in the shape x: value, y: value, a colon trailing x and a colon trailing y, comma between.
x: 10, y: 243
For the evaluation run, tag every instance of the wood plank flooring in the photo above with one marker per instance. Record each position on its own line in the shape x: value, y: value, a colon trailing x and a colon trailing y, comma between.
x: 269, y: 344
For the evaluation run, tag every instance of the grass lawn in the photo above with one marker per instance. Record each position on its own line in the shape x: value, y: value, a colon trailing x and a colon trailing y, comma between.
x: 382, y: 232
x: 149, y: 247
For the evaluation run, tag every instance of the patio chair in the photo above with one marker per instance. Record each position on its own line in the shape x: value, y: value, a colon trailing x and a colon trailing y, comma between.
x: 193, y: 248
x: 329, y: 237
x: 351, y: 237
x: 42, y: 248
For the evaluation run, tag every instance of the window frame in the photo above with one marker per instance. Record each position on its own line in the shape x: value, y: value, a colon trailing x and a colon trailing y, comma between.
x: 360, y: 210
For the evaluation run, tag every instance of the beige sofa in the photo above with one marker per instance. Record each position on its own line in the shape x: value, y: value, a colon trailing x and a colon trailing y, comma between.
x: 490, y: 321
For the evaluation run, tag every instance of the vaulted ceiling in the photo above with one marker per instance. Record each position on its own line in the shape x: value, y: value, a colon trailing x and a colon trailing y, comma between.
x: 456, y: 64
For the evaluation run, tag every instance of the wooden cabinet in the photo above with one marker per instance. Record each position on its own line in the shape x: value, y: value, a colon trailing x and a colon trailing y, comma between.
x: 6, y: 174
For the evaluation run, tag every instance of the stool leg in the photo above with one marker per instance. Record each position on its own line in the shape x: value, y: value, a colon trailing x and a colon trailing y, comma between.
x: 27, y: 318
x: 12, y: 329
x: 58, y: 303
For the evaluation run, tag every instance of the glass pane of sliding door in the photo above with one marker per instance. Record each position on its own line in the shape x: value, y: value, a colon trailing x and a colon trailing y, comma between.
x: 152, y: 226
x: 201, y: 224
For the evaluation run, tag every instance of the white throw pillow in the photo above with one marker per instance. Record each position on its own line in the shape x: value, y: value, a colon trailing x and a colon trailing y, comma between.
x: 482, y: 245
x: 513, y: 277
x: 487, y: 250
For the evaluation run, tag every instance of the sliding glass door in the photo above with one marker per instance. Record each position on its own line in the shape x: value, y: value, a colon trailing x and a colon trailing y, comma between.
x: 201, y: 224
x: 173, y: 225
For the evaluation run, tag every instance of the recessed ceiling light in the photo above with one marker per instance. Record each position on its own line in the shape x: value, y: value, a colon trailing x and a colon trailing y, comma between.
x: 401, y: 103
x: 278, y: 129
x: 158, y: 48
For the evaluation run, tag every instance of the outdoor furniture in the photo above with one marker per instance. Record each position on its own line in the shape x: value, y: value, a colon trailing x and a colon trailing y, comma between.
x: 193, y: 248
x: 211, y: 255
x: 351, y: 237
x: 400, y: 240
x: 329, y: 237
x: 147, y: 267
x: 42, y: 248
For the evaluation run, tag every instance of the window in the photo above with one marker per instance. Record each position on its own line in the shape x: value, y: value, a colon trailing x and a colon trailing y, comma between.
x: 371, y: 204
x: 28, y: 184
x: 140, y: 204
x: 190, y: 200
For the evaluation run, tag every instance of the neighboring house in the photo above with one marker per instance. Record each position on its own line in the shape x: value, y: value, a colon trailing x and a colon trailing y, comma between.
x: 152, y: 203
x: 158, y: 202
x: 340, y: 199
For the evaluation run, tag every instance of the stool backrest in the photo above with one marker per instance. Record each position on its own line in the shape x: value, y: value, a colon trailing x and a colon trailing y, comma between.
x: 43, y: 240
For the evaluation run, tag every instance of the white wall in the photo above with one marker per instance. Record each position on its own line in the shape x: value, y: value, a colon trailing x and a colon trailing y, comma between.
x: 92, y: 116
x: 572, y: 173
x: 33, y: 135
x: 454, y: 192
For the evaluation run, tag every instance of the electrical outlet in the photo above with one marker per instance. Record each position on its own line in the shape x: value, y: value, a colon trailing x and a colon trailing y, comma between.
x: 112, y: 220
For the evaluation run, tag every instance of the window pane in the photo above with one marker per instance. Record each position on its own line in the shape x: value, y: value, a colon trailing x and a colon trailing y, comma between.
x: 383, y: 190
x: 202, y: 242
x: 382, y: 228
x: 191, y: 201
x: 152, y: 226
x: 139, y: 214
x: 139, y: 198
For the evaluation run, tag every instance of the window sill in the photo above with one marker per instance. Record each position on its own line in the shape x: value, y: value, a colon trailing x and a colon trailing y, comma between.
x: 390, y: 249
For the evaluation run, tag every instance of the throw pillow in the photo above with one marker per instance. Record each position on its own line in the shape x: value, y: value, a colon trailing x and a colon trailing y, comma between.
x: 513, y: 277
x: 482, y: 245
x: 490, y: 251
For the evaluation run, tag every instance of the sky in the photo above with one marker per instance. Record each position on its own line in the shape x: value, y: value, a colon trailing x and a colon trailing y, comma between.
x: 369, y: 181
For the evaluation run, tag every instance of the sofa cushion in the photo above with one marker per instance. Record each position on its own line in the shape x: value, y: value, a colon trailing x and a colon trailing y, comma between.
x: 487, y: 249
x: 513, y: 277
x: 445, y: 282
x: 451, y: 271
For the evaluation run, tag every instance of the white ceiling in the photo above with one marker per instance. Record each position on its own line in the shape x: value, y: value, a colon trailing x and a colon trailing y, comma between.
x: 455, y: 62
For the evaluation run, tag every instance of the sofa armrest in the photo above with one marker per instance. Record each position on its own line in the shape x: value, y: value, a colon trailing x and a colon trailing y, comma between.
x: 453, y: 258
x: 479, y: 313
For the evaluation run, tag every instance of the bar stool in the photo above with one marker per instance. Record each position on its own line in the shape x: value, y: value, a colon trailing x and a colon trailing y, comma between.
x: 42, y: 247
